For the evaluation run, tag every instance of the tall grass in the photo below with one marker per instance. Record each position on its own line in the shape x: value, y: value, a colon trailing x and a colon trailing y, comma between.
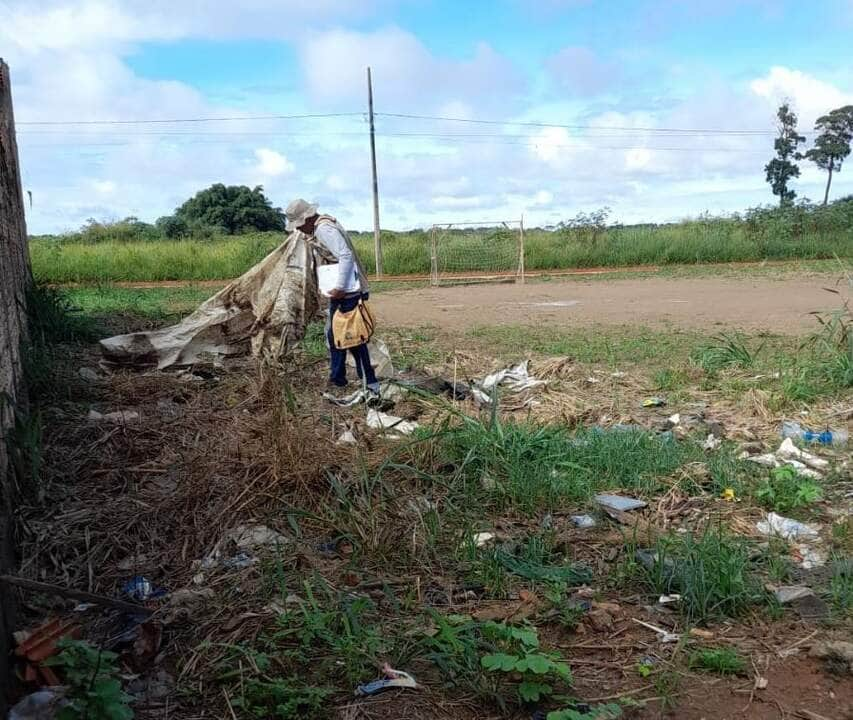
x: 805, y: 234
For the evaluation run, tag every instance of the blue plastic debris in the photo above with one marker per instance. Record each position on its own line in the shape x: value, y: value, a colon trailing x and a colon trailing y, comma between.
x: 140, y: 589
x: 393, y: 679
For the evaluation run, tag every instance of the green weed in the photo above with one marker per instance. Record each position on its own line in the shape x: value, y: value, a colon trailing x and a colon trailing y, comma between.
x: 725, y: 350
x: 841, y: 585
x: 712, y: 572
x: 92, y: 677
x: 784, y: 490
x: 609, y: 711
x: 534, y: 467
x: 723, y: 661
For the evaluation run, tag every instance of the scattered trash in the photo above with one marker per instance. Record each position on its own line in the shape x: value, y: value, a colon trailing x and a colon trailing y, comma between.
x: 728, y: 495
x: 664, y: 636
x: 155, y: 688
x: 712, y: 442
x: 514, y: 379
x: 393, y: 679
x: 122, y: 417
x: 593, y: 381
x: 785, y: 528
x: 583, y: 521
x: 802, y: 599
x: 675, y: 419
x: 669, y: 599
x: 380, y: 421
x: 838, y: 651
x: 483, y: 538
x: 140, y: 589
x: 346, y: 438
x: 792, y: 429
x: 241, y: 544
x: 132, y: 562
x: 789, y: 451
x: 790, y: 454
x: 620, y: 502
x: 40, y: 644
x: 809, y: 556
x: 239, y: 561
x: 41, y: 705
x: 654, y: 402
x: 354, y: 398
x: 88, y: 374
x: 760, y: 683
x: 701, y: 634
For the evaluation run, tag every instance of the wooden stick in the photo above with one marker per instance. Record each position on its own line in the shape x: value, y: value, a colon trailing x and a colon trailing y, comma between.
x: 76, y: 594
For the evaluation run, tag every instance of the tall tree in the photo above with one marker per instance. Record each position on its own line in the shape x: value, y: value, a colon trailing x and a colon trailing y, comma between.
x: 235, y: 208
x: 833, y: 143
x: 783, y: 167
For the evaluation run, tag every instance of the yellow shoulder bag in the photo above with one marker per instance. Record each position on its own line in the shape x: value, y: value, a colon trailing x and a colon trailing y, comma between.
x: 353, y: 328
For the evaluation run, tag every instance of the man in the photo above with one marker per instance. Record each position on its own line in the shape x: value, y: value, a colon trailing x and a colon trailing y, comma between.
x: 334, y: 242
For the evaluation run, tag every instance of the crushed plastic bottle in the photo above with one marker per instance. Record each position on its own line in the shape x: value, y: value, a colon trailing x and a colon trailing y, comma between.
x: 795, y: 431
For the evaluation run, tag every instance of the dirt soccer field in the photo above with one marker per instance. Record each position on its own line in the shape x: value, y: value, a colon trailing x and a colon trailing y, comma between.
x: 780, y: 305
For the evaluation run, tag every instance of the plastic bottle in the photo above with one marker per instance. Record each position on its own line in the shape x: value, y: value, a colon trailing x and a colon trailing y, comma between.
x: 795, y: 431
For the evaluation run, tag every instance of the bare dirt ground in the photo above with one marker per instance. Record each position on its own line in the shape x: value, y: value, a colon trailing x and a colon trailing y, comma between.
x: 780, y: 305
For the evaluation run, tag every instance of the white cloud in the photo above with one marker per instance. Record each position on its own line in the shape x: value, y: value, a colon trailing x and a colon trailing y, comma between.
x: 104, y: 187
x: 810, y: 96
x: 637, y: 158
x: 549, y: 143
x: 406, y: 75
x: 272, y: 163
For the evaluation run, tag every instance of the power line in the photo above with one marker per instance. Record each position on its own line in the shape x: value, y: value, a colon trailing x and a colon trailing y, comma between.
x: 312, y: 116
x: 701, y: 131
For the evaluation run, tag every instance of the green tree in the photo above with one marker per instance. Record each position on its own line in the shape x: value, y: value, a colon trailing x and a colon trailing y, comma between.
x: 783, y: 167
x: 234, y: 208
x: 833, y: 143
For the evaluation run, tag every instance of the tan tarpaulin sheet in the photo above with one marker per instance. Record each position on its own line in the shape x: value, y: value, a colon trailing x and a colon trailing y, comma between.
x: 265, y: 311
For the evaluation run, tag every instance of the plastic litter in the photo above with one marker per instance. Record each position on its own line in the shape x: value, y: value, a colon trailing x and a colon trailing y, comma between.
x: 669, y: 599
x: 381, y: 421
x: 728, y: 495
x: 654, y: 402
x: 712, y: 442
x: 789, y: 451
x: 664, y: 636
x: 346, y: 438
x: 483, y: 538
x: 792, y: 429
x: 514, y: 379
x: 583, y: 521
x: 41, y: 705
x: 88, y: 374
x: 121, y: 417
x: 139, y: 588
x: 620, y: 502
x: 393, y: 679
x: 786, y: 528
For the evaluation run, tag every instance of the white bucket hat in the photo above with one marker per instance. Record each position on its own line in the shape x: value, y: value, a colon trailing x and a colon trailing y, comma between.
x: 298, y: 212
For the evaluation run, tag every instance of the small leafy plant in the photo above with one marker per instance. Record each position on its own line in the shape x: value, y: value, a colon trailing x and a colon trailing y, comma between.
x: 91, y: 675
x: 785, y: 490
x: 723, y: 661
x: 610, y: 711
x: 520, y: 655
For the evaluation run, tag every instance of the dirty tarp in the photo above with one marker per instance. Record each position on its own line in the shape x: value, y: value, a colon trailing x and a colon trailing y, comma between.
x: 265, y: 311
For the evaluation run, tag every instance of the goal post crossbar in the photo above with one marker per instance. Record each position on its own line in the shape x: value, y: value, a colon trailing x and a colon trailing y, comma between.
x: 471, y: 251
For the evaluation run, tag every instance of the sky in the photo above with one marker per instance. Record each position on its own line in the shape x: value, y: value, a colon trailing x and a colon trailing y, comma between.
x: 486, y: 109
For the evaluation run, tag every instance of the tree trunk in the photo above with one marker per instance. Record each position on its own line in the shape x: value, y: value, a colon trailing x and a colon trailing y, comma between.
x: 828, y: 183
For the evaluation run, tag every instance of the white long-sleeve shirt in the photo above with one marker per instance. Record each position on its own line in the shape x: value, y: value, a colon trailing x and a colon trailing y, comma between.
x: 336, y: 244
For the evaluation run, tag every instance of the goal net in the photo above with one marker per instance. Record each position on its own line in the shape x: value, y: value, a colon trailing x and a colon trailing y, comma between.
x: 469, y: 252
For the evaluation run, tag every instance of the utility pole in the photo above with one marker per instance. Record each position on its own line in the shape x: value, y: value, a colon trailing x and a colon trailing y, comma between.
x: 377, y: 239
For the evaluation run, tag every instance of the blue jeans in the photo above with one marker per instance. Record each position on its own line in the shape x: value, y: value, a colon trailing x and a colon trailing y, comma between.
x: 338, y: 358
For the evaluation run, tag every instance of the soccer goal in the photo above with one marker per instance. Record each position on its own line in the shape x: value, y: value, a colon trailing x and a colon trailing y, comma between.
x: 477, y: 251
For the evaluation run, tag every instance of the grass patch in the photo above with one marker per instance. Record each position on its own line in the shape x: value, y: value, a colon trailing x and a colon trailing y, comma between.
x: 725, y: 350
x: 712, y: 571
x: 533, y: 467
x: 722, y: 661
x: 168, y: 303
x: 797, y: 233
x: 606, y: 344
